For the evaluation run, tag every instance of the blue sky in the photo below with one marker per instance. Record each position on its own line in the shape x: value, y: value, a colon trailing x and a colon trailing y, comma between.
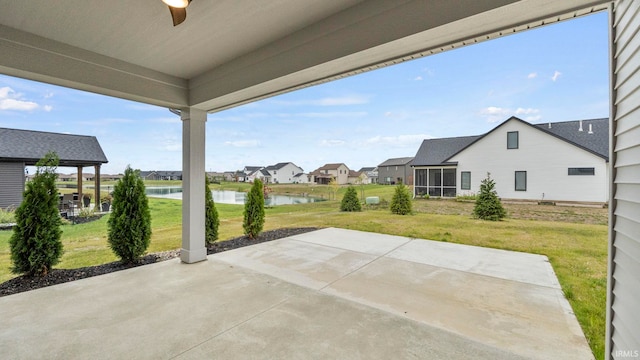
x: 554, y: 73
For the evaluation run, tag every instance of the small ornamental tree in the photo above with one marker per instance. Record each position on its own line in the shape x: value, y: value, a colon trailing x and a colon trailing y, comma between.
x: 212, y: 221
x: 254, y: 210
x: 488, y: 205
x: 129, y: 224
x: 350, y: 200
x: 401, y: 201
x: 35, y: 242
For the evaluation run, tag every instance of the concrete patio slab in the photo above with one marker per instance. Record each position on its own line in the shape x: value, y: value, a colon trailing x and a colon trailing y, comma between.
x: 327, y: 294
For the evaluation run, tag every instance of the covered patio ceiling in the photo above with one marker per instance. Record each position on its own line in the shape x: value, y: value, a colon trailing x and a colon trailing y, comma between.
x: 230, y: 52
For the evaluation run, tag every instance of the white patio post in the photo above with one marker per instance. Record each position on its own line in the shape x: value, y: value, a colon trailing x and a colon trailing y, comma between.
x: 193, y: 146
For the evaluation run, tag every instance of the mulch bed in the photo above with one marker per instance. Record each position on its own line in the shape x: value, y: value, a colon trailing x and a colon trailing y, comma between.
x: 59, y: 276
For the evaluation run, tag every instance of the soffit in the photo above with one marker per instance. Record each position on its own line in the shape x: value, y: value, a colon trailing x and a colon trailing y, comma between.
x: 229, y: 52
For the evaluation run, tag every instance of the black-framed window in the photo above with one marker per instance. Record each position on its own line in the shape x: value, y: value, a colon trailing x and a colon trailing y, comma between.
x: 582, y: 171
x: 465, y: 180
x: 512, y: 140
x: 521, y: 181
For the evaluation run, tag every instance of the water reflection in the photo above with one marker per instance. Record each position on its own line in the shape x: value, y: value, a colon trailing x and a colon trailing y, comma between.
x: 230, y: 196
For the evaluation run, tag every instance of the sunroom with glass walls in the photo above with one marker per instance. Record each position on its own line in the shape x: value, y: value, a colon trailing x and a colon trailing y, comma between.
x: 435, y: 181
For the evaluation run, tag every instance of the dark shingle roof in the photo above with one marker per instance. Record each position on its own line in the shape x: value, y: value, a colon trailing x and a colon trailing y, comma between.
x: 277, y: 166
x: 397, y: 161
x: 367, y: 169
x: 438, y: 151
x: 596, y: 142
x: 30, y: 146
x: 331, y: 166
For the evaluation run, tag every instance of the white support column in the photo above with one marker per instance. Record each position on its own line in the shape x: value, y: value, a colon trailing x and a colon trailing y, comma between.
x: 193, y: 192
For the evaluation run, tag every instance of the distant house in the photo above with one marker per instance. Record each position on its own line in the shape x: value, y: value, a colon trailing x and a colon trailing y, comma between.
x: 20, y: 148
x: 283, y: 173
x: 215, y: 176
x: 358, y: 177
x: 563, y: 161
x: 107, y: 177
x: 324, y: 174
x: 230, y: 176
x: 396, y: 171
x: 149, y: 175
x: 372, y: 174
x: 301, y: 178
x: 250, y: 173
x: 161, y: 175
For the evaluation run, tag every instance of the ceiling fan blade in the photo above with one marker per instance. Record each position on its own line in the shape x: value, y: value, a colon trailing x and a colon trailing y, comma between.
x: 178, y: 15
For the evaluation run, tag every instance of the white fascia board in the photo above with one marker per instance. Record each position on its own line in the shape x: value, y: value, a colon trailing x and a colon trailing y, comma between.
x: 36, y: 58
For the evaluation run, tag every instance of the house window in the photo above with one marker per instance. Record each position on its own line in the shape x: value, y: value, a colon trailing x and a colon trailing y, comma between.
x: 582, y: 171
x: 512, y: 140
x: 465, y: 180
x: 274, y: 172
x: 521, y: 181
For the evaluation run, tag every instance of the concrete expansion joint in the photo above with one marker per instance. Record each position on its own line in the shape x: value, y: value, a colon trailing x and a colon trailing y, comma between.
x: 365, y: 265
x: 258, y: 314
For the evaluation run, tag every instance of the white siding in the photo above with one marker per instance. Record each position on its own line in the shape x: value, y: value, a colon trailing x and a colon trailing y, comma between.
x: 285, y: 174
x: 623, y: 297
x: 11, y: 184
x: 545, y: 158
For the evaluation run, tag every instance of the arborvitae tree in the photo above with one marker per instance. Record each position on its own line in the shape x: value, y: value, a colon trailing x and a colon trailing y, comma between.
x: 130, y: 220
x: 254, y: 210
x: 35, y: 242
x: 350, y: 200
x: 401, y: 201
x: 488, y: 205
x: 212, y: 221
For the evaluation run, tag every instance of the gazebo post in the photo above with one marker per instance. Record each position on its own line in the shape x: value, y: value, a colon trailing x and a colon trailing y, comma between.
x: 80, y: 186
x: 96, y: 185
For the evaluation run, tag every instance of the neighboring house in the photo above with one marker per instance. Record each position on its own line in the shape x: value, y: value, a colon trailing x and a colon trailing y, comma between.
x: 396, y: 171
x: 324, y: 174
x: 255, y: 174
x: 230, y: 176
x: 358, y: 177
x: 372, y: 174
x: 564, y: 161
x: 20, y: 148
x: 107, y: 177
x: 215, y: 176
x: 283, y: 173
x: 301, y: 178
x: 161, y: 175
x: 250, y: 173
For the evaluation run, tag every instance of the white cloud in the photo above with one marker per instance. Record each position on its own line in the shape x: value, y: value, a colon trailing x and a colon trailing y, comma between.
x: 399, y: 140
x: 418, y: 78
x: 10, y: 100
x: 243, y: 143
x: 495, y: 114
x: 532, y: 75
x: 332, y: 143
x: 556, y: 75
x: 47, y: 108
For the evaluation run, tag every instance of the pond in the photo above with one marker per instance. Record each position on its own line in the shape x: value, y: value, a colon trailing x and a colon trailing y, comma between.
x: 230, y: 196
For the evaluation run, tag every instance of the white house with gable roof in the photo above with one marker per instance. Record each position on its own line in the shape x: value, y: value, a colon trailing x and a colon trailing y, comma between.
x: 284, y: 173
x: 563, y: 161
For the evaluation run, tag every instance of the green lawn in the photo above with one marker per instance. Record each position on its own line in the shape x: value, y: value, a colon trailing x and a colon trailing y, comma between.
x: 574, y: 239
